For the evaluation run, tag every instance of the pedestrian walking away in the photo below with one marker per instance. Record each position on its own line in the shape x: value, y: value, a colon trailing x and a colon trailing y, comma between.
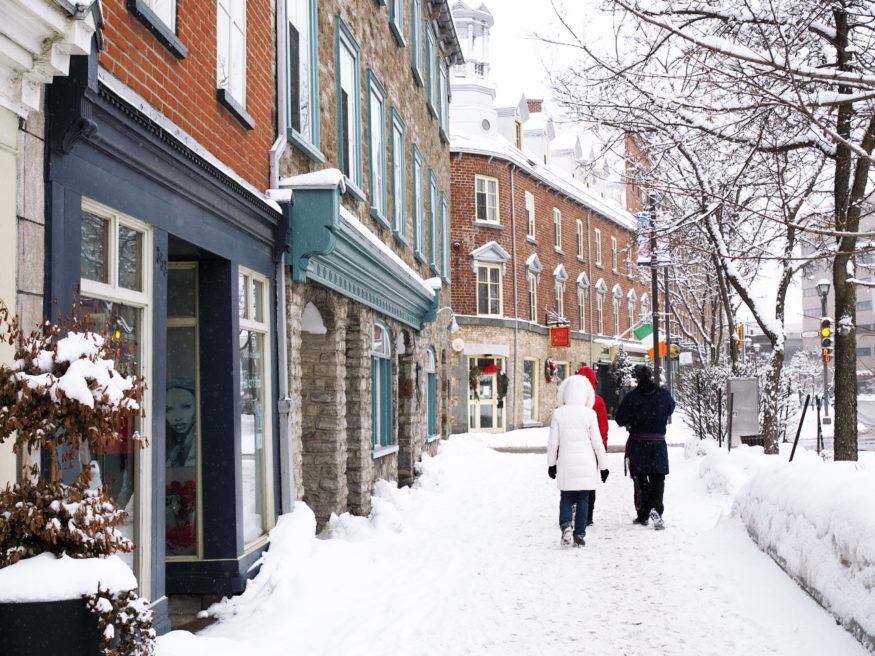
x: 576, y: 457
x: 601, y: 413
x: 644, y: 412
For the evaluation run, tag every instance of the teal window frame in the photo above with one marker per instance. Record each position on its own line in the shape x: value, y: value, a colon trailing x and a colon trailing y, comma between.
x: 445, y: 237
x: 307, y: 140
x: 396, y: 21
x: 430, y: 73
x: 432, y: 221
x: 418, y: 203
x: 345, y: 43
x: 416, y: 41
x: 377, y: 149
x: 399, y: 177
x: 431, y: 393
x: 383, y: 436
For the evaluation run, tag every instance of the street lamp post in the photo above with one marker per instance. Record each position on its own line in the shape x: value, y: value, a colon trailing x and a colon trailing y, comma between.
x: 822, y: 291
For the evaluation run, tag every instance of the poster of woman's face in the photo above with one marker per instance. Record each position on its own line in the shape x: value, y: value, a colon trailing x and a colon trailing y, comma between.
x: 181, y: 415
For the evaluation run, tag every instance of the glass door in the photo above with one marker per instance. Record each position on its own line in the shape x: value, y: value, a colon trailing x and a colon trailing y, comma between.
x: 484, y: 411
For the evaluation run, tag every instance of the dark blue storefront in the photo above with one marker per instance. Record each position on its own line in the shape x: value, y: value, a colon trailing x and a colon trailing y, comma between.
x: 176, y: 257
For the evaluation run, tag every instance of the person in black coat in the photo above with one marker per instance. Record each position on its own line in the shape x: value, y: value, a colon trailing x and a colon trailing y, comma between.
x: 644, y: 412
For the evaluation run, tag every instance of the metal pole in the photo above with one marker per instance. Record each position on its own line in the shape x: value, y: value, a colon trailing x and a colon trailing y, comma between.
x: 668, y: 371
x: 825, y: 367
x: 654, y: 290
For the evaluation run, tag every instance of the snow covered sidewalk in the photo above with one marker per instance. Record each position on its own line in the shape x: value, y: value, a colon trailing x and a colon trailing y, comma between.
x: 468, y: 562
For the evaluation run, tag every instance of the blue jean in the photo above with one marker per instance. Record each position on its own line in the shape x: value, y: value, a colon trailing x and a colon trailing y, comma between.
x: 568, y: 499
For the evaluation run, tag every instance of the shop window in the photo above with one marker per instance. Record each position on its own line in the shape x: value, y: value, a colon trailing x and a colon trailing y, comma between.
x: 381, y: 389
x: 255, y: 408
x: 303, y: 77
x: 115, y: 276
x: 182, y: 432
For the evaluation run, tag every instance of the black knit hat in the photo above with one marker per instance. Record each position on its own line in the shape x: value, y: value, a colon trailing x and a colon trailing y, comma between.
x: 642, y: 372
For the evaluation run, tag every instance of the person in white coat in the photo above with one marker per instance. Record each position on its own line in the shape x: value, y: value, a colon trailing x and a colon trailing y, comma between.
x: 575, y: 456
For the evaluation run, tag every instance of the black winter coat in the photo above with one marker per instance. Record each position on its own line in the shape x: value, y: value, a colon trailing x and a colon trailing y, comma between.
x: 644, y: 412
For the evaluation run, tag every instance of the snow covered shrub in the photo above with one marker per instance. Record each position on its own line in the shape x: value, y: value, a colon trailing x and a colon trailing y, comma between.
x: 125, y: 623
x: 63, y: 397
x: 40, y: 516
x: 702, y: 393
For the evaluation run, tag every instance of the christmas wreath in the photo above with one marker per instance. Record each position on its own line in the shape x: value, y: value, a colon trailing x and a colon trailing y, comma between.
x: 474, y: 381
x: 502, y: 388
x: 550, y: 369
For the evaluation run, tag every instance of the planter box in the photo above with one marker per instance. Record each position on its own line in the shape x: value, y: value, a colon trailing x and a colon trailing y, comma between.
x: 48, y: 628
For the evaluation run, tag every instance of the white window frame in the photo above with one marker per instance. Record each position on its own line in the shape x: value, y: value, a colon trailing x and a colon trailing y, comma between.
x: 614, y: 258
x: 532, y: 280
x: 349, y: 81
x: 432, y: 221
x: 581, y: 308
x: 494, y: 289
x: 600, y: 313
x: 597, y: 238
x: 431, y: 81
x: 530, y: 215
x: 231, y: 49
x: 443, y: 99
x: 616, y: 310
x: 257, y: 319
x: 382, y: 418
x: 303, y: 83
x: 559, y: 288
x: 377, y: 148
x: 111, y: 291
x: 579, y: 233
x: 557, y: 229
x: 487, y: 187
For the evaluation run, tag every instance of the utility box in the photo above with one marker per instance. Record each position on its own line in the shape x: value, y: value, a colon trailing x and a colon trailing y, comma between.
x: 743, y: 395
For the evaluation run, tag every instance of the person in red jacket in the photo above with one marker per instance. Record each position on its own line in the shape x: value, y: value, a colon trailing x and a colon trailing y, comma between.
x: 601, y: 412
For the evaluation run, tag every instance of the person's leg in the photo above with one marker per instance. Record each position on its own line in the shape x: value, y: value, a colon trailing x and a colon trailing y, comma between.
x: 566, y: 501
x: 591, y: 507
x: 645, y: 497
x: 658, y: 488
x: 581, y: 513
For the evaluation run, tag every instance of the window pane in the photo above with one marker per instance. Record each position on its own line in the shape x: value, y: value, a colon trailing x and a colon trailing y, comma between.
x: 94, y: 251
x: 252, y: 404
x: 257, y: 310
x: 243, y: 298
x: 181, y: 292
x: 165, y: 10
x: 115, y: 465
x: 130, y: 265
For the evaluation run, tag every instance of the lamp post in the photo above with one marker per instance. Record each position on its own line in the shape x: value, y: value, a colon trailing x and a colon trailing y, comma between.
x: 823, y: 291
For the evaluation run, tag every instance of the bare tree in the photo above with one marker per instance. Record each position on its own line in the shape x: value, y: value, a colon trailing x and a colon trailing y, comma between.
x: 791, y: 80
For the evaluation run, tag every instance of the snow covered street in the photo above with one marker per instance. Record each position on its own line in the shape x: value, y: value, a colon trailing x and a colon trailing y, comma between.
x: 468, y: 562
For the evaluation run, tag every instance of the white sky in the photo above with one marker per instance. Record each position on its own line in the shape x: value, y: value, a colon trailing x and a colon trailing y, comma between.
x: 467, y: 561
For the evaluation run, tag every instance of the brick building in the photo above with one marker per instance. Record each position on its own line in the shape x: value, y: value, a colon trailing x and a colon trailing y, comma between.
x: 540, y: 237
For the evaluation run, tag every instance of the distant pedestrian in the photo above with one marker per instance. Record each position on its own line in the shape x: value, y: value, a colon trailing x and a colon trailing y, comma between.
x: 645, y: 411
x: 601, y: 413
x: 575, y: 456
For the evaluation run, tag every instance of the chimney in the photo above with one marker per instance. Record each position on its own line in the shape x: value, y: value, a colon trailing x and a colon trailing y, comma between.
x: 534, y: 106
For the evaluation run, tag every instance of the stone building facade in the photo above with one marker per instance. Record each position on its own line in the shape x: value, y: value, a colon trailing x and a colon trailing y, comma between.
x: 367, y: 163
x: 543, y: 253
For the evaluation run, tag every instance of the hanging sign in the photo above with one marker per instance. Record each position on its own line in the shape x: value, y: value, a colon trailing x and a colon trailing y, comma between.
x: 560, y: 336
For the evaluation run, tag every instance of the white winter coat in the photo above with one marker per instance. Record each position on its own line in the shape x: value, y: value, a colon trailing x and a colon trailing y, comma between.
x: 575, y: 444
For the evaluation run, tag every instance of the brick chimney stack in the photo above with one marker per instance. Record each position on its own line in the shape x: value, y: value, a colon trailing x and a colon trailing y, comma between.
x: 534, y: 105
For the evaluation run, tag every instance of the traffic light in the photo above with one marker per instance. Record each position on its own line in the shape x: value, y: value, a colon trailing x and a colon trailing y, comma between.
x: 826, y: 338
x: 739, y: 329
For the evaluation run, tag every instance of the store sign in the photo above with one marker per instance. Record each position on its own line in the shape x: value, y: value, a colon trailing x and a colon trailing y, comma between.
x: 560, y: 336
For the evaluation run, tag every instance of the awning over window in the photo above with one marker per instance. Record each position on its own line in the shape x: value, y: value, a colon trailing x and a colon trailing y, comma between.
x: 330, y: 246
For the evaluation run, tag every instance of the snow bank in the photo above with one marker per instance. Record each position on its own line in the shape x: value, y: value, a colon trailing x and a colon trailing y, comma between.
x: 49, y: 578
x: 806, y: 515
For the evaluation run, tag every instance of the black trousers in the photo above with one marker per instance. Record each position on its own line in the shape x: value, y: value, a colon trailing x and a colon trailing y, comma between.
x: 648, y: 494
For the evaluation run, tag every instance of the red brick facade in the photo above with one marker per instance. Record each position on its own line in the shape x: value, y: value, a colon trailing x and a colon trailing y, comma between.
x: 184, y: 89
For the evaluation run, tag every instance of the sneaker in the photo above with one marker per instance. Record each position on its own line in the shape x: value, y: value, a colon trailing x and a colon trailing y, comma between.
x: 578, y: 541
x: 658, y: 523
x: 642, y: 522
x: 566, y: 537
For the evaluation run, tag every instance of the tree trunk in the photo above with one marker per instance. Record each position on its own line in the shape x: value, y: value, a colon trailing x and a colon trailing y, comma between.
x: 771, y: 404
